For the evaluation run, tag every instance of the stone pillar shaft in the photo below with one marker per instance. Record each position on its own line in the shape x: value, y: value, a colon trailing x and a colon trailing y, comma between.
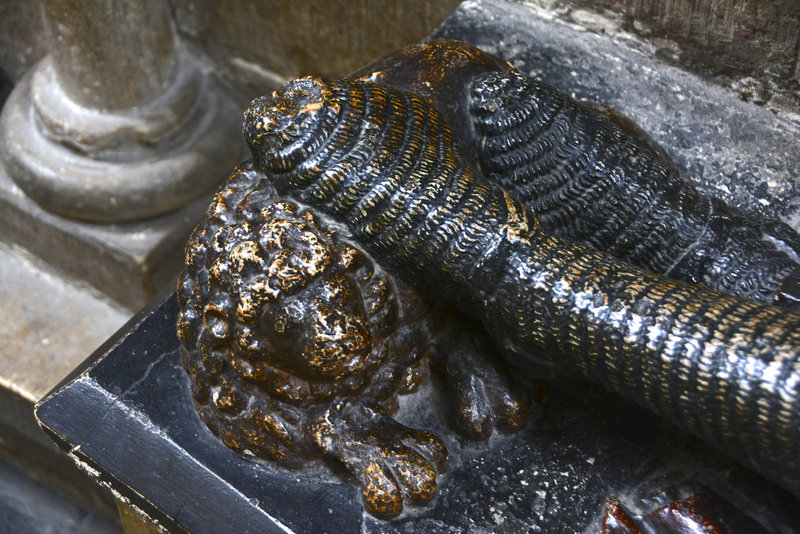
x: 111, y: 54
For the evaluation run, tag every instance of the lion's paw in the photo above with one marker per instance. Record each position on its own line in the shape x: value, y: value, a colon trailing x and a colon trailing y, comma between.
x: 394, y: 463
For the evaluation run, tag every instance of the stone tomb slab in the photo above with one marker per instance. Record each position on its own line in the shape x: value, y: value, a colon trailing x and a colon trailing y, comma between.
x: 126, y: 417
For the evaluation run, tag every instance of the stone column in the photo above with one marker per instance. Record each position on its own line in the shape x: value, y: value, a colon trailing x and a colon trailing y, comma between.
x: 117, y: 122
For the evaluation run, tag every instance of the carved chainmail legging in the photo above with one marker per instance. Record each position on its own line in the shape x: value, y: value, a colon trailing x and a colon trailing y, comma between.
x: 592, y: 175
x: 384, y: 163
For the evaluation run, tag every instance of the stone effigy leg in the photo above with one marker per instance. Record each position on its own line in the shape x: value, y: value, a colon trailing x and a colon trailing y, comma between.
x: 590, y: 174
x: 384, y: 163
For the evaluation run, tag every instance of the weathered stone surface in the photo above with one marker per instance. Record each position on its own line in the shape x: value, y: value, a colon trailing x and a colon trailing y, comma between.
x: 112, y: 55
x: 21, y: 37
x: 128, y: 262
x: 752, y: 47
x: 29, y: 507
x: 258, y: 43
x: 731, y: 149
x: 91, y: 164
x: 119, y: 122
x: 47, y: 327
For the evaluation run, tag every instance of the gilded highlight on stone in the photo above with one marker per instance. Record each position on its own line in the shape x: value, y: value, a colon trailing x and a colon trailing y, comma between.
x: 283, y: 327
x: 384, y: 164
x: 592, y: 175
x: 297, y: 345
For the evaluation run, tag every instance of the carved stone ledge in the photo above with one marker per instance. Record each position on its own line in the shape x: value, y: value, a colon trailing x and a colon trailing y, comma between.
x: 127, y: 262
x: 116, y: 123
x: 47, y: 327
x: 554, y: 476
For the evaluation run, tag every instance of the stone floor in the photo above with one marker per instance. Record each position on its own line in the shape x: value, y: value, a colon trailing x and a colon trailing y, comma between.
x: 48, y: 326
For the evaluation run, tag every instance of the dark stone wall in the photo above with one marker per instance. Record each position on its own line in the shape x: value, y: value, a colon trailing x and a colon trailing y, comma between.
x: 258, y: 42
x: 752, y: 46
x: 5, y: 86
